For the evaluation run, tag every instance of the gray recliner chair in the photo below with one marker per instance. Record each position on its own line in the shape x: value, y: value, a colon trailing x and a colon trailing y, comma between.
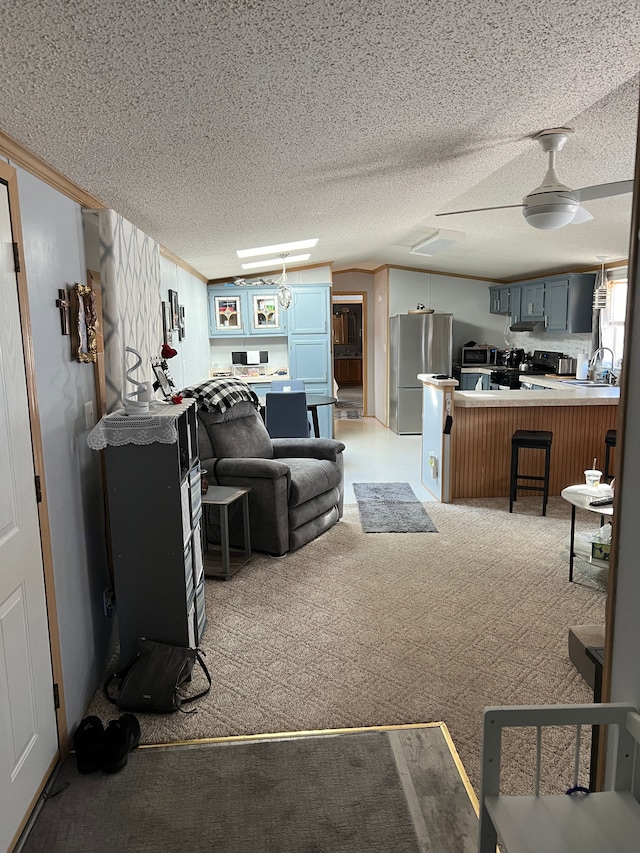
x: 297, y: 489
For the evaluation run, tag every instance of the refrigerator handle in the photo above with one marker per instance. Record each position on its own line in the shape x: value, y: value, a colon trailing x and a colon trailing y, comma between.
x: 425, y: 363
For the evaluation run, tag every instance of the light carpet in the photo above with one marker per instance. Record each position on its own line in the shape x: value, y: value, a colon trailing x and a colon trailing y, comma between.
x: 391, y: 508
x: 359, y: 630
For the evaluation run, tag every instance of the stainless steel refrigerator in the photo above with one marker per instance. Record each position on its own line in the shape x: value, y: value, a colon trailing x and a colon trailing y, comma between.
x: 419, y: 343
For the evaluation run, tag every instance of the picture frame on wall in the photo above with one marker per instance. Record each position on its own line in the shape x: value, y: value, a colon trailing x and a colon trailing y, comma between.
x: 85, y: 321
x: 163, y: 378
x: 175, y: 313
x: 181, y: 329
x: 167, y: 334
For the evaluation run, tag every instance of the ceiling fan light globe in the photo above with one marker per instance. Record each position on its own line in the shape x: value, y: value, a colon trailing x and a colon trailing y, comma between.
x: 550, y: 217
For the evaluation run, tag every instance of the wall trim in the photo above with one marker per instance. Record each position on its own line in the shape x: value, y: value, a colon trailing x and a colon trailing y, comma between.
x: 224, y: 279
x: 26, y: 159
x: 436, y: 272
x: 577, y: 270
x: 170, y: 256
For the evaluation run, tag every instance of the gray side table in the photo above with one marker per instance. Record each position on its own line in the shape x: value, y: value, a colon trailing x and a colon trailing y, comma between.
x: 223, y: 562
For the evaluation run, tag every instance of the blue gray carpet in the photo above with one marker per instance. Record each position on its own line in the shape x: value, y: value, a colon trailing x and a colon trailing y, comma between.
x: 391, y: 508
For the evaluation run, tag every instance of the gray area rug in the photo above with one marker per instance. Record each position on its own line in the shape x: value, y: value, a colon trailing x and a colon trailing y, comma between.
x: 391, y: 508
x: 329, y: 792
x: 348, y: 414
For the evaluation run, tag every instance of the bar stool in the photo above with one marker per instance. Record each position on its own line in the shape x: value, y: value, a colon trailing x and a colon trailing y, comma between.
x: 609, y: 442
x: 537, y: 439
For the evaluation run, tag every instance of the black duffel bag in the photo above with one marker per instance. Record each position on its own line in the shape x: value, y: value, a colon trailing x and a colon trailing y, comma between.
x: 154, y: 682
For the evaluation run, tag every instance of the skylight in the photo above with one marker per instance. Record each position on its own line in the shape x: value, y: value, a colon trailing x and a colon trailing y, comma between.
x: 272, y: 263
x: 277, y: 249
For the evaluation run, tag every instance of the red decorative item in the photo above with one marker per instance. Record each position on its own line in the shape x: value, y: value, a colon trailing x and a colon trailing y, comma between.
x: 176, y: 398
x: 167, y: 351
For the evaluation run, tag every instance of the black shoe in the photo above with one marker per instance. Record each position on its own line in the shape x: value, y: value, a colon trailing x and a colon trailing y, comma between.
x: 120, y: 737
x: 87, y: 742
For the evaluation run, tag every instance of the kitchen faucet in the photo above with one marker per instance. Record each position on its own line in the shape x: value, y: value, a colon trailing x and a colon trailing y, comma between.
x: 594, y: 358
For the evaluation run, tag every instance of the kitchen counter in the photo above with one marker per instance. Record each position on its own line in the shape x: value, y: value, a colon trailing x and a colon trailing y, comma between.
x: 479, y: 455
x: 557, y: 393
x: 250, y: 380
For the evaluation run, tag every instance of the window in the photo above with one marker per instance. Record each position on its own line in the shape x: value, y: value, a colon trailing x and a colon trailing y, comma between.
x: 612, y: 318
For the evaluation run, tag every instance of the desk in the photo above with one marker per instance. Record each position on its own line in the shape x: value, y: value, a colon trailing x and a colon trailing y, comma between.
x: 225, y: 564
x: 313, y: 401
x: 581, y: 496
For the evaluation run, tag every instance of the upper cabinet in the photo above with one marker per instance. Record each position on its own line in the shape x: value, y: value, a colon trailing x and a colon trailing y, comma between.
x: 557, y: 305
x: 309, y: 311
x: 563, y: 303
x: 499, y: 302
x: 569, y: 304
x: 244, y: 311
x: 533, y: 300
x: 515, y: 303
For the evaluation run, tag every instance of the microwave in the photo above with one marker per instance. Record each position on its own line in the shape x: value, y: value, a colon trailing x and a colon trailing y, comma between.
x: 478, y: 356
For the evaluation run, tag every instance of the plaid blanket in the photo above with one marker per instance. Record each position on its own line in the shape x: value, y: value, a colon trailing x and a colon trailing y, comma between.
x: 218, y: 395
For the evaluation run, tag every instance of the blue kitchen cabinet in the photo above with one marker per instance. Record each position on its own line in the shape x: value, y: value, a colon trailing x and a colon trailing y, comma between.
x: 310, y: 359
x: 244, y: 312
x: 310, y: 356
x: 499, y: 299
x: 556, y: 299
x: 515, y: 303
x: 309, y: 311
x: 533, y: 301
x: 563, y: 303
x: 569, y: 303
x: 226, y: 312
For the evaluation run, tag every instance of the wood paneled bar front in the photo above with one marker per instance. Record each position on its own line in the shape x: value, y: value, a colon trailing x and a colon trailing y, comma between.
x: 484, y: 422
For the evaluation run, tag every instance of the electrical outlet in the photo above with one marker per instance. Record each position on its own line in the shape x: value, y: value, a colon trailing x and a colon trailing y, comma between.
x: 109, y: 602
x: 89, y: 415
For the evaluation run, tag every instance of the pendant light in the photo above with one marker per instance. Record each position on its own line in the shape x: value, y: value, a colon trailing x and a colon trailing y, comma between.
x: 284, y: 294
x: 600, y: 293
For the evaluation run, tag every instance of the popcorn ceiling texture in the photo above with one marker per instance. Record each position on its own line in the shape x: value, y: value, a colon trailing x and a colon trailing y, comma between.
x: 214, y: 126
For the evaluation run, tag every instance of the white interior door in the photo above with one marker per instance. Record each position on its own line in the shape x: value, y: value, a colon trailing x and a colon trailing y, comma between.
x: 28, y: 734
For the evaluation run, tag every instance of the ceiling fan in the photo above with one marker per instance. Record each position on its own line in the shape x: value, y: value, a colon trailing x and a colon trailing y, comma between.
x: 553, y: 205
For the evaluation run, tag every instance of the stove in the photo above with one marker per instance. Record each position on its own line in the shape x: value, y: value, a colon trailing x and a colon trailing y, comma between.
x: 504, y: 378
x: 542, y: 362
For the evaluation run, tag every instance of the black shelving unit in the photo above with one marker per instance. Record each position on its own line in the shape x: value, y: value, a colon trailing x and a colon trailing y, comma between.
x: 155, y: 516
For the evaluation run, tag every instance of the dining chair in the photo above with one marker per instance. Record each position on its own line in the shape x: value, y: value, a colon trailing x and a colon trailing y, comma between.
x: 286, y: 415
x: 283, y: 385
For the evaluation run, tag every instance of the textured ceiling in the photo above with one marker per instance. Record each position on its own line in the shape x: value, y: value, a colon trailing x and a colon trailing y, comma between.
x: 216, y: 126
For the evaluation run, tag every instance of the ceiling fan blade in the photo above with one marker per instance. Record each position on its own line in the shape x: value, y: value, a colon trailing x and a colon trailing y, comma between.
x: 603, y: 190
x: 582, y: 215
x: 478, y: 209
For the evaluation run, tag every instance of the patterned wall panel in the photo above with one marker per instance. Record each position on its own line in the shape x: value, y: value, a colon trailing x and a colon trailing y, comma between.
x: 130, y: 270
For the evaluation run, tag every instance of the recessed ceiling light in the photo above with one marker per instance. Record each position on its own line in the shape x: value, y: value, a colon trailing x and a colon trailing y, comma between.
x: 281, y: 247
x: 272, y: 263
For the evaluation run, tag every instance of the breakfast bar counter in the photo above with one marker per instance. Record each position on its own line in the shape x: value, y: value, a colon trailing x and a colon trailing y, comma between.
x: 483, y: 422
x: 557, y: 392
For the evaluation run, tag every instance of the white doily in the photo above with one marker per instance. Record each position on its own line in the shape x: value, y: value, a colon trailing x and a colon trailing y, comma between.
x: 119, y: 428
